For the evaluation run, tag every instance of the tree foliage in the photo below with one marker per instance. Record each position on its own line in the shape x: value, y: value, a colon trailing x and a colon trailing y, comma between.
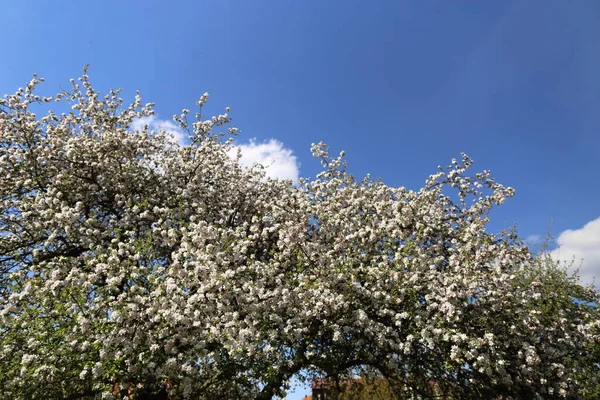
x: 130, y: 265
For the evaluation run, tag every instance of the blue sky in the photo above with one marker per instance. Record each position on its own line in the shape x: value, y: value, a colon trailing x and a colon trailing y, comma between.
x: 401, y: 86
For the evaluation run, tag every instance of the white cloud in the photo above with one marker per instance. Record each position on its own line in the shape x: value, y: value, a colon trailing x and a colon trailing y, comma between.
x: 156, y: 124
x: 279, y: 162
x: 534, y: 239
x: 578, y: 244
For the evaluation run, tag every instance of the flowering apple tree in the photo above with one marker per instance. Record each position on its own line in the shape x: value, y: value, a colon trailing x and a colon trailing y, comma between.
x: 133, y: 266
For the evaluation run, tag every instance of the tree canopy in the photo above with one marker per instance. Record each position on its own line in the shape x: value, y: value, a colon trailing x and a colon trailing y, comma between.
x: 132, y: 265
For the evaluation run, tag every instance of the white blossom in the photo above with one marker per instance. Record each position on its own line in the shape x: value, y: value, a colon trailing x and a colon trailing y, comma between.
x: 124, y: 256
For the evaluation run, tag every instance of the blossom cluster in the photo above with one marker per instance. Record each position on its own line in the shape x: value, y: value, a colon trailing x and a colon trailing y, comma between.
x: 132, y: 264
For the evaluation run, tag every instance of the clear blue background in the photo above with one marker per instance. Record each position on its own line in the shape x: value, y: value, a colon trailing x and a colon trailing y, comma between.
x: 401, y: 86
